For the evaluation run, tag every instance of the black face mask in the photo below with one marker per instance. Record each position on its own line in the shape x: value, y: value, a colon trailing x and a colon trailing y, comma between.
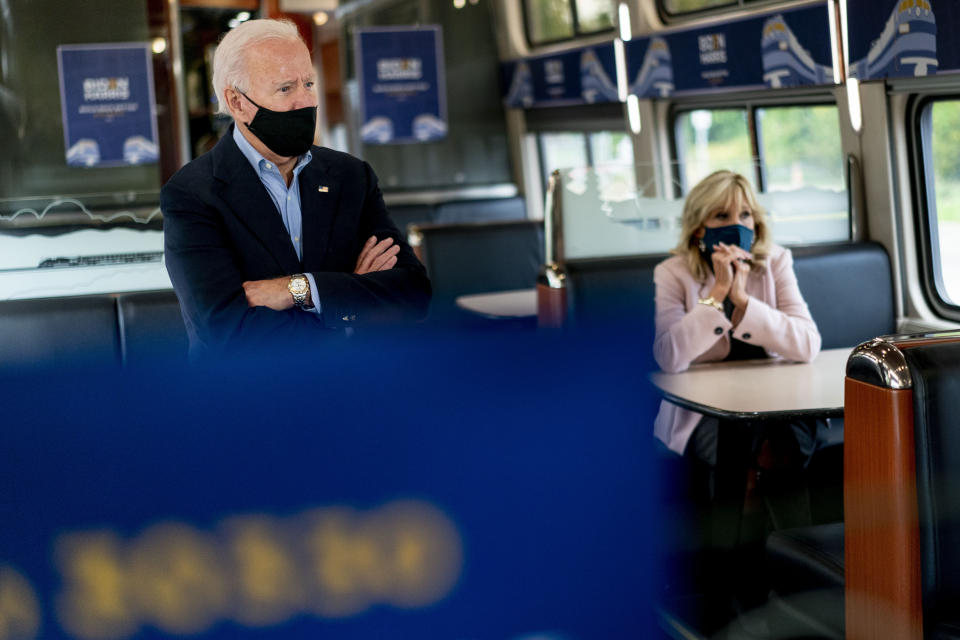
x: 286, y: 133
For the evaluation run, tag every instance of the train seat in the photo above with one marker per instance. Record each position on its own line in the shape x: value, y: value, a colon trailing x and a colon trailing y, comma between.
x: 469, y: 258
x: 901, y: 529
x: 458, y: 211
x: 603, y: 290
x: 150, y: 326
x: 607, y: 291
x: 935, y: 370
x: 805, y: 568
x: 45, y: 331
x: 833, y: 276
x: 406, y: 215
x: 489, y: 210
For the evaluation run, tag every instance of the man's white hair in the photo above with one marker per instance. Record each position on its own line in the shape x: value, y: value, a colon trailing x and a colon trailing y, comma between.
x: 229, y: 61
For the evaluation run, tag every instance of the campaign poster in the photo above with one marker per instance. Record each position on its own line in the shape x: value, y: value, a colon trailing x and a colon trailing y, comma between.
x: 403, y: 94
x: 775, y: 50
x: 902, y: 38
x: 586, y: 75
x: 784, y: 49
x: 107, y: 101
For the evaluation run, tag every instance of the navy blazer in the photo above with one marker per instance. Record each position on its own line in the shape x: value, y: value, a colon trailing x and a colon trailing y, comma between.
x: 221, y: 228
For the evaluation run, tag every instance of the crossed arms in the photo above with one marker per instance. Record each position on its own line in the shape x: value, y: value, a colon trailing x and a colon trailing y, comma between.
x: 274, y: 294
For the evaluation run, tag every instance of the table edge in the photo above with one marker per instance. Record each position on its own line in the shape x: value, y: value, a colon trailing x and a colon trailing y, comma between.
x: 824, y: 412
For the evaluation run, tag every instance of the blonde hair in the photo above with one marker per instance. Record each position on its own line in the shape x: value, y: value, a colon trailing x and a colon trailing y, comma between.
x: 229, y: 60
x: 712, y: 194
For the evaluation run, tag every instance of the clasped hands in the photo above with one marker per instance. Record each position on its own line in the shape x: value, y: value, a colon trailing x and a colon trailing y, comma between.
x: 273, y: 293
x: 731, y: 268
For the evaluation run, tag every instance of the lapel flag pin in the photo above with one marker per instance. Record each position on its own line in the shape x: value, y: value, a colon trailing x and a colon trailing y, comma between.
x: 323, y: 189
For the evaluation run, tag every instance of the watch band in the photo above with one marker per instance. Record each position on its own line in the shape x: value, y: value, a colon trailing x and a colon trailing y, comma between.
x: 710, y: 302
x: 299, y: 287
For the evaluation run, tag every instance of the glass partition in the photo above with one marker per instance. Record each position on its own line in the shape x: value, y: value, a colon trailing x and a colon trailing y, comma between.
x: 475, y: 151
x: 605, y: 214
x: 78, y: 220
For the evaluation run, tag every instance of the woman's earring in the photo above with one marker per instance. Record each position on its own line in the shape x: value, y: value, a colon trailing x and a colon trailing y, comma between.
x: 702, y: 246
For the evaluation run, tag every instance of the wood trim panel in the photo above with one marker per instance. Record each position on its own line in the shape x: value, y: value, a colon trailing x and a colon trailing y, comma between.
x: 172, y: 155
x: 551, y: 307
x: 247, y: 5
x: 882, y: 546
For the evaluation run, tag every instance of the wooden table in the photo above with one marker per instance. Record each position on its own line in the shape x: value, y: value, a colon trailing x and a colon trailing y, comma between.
x: 520, y: 303
x: 748, y: 389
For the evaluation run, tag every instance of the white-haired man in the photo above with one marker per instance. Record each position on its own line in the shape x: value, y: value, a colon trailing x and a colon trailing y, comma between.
x: 268, y: 237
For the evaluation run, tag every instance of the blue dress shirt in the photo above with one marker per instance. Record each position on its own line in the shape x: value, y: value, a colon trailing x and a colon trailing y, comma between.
x: 286, y: 198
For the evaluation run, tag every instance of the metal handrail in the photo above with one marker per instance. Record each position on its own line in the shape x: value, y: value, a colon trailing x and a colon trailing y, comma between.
x: 553, y: 273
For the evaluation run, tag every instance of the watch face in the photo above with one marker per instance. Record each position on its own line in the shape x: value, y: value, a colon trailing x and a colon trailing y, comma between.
x: 298, y: 285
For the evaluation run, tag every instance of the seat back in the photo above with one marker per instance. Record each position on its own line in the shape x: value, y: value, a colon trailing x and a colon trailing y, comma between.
x: 935, y: 373
x: 48, y: 330
x: 458, y: 212
x: 405, y: 215
x: 901, y: 476
x: 479, y: 258
x: 833, y: 277
x: 490, y: 210
x: 150, y: 327
x: 611, y: 291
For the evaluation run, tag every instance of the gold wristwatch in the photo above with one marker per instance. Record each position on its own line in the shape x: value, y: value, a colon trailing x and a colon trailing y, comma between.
x: 710, y: 302
x: 299, y: 288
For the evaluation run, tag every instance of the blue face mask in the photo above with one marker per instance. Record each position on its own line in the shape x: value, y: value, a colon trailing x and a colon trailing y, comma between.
x: 731, y: 234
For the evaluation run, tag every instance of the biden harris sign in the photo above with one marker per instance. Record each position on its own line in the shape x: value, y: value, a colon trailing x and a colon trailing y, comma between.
x: 106, y: 95
x: 402, y: 88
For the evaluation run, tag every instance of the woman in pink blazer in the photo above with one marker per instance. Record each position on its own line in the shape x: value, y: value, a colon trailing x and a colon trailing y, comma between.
x: 727, y: 293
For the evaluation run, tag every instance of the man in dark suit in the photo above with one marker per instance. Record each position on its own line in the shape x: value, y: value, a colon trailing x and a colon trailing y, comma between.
x: 268, y: 237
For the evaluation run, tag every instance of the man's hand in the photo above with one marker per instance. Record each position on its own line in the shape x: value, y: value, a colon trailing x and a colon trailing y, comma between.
x: 269, y: 293
x: 377, y: 256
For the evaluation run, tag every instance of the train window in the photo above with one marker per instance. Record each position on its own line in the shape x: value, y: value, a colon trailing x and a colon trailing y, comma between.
x: 569, y: 149
x: 554, y: 20
x: 593, y: 15
x: 800, y: 147
x: 791, y: 154
x: 674, y: 7
x: 708, y: 140
x: 801, y: 172
x: 610, y: 147
x: 940, y: 135
x: 677, y: 7
x: 562, y: 150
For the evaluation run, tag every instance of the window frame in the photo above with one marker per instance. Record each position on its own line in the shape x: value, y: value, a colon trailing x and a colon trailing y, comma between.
x: 541, y: 156
x: 923, y: 198
x: 574, y: 20
x: 679, y: 179
x: 733, y: 5
x: 588, y: 119
x: 753, y: 131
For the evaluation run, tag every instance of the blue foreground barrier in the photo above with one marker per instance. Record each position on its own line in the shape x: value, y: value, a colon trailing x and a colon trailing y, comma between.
x: 448, y: 487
